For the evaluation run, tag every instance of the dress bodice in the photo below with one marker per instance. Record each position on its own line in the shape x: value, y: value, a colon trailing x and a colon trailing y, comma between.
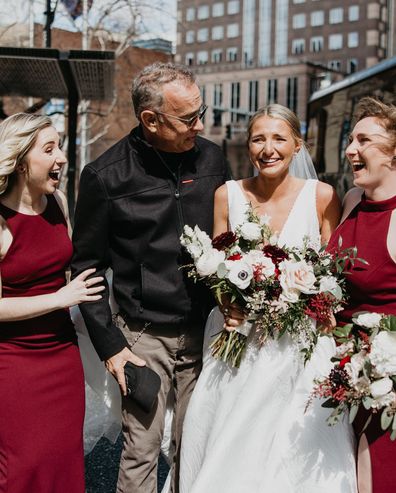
x: 301, y: 222
x: 372, y: 286
x: 35, y: 264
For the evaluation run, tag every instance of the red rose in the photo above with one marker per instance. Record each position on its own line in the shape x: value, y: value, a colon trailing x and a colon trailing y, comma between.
x: 275, y: 253
x: 236, y: 256
x: 224, y: 240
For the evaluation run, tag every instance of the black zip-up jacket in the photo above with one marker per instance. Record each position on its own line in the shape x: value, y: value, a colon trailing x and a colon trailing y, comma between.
x: 130, y: 213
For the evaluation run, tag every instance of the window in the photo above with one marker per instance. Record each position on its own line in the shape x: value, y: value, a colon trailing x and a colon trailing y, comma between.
x: 217, y: 55
x: 316, y: 44
x: 335, y: 41
x: 203, y: 12
x: 299, y: 21
x: 218, y: 95
x: 272, y: 92
x: 253, y: 95
x: 298, y: 46
x: 353, y: 40
x: 235, y: 98
x: 353, y: 13
x: 232, y: 54
x: 218, y: 9
x: 202, y: 57
x: 335, y: 65
x: 232, y: 30
x: 202, y: 34
x: 217, y: 32
x: 336, y: 16
x: 352, y: 65
x: 190, y: 37
x: 189, y: 58
x: 317, y: 18
x: 298, y: 1
x: 292, y: 89
x: 233, y: 7
x: 190, y: 14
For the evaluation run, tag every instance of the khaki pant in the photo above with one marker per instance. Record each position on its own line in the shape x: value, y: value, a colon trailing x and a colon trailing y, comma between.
x: 176, y: 355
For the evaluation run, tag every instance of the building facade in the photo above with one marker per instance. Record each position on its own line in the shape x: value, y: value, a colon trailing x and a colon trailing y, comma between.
x: 248, y: 53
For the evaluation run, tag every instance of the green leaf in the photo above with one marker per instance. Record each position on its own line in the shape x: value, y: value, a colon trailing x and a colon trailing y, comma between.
x: 389, y: 323
x: 352, y: 412
x: 330, y: 403
x: 386, y: 419
x: 393, y: 435
x: 367, y: 401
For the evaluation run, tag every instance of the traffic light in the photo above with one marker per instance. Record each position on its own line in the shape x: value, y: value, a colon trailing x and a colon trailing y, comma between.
x: 228, y: 131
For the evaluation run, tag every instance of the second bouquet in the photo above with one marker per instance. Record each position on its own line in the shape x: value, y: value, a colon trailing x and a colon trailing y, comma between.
x: 280, y: 289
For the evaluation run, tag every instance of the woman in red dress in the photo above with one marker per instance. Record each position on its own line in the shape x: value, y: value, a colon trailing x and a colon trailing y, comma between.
x: 370, y: 225
x: 41, y: 377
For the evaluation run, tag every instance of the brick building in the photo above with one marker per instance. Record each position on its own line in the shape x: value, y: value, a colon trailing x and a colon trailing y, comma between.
x: 248, y: 53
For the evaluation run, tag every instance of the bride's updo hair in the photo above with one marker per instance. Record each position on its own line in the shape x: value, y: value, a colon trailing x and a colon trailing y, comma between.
x: 18, y: 133
x: 277, y: 111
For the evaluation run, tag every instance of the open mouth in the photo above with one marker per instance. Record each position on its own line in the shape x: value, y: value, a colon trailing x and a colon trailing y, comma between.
x: 357, y: 166
x: 269, y: 161
x: 54, y: 175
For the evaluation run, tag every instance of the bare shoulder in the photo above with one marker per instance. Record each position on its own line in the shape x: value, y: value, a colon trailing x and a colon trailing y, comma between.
x: 221, y: 193
x: 325, y: 192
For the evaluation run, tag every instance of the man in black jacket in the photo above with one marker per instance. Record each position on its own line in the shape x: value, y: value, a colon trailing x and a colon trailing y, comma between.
x: 133, y: 203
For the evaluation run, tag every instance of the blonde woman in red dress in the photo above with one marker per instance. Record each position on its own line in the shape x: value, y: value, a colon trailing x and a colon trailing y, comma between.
x: 41, y: 377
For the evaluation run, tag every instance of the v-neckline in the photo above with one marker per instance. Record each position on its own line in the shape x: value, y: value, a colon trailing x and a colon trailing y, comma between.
x: 288, y: 214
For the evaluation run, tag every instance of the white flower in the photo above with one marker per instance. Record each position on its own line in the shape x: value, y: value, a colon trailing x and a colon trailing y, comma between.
x: 265, y: 219
x: 369, y: 320
x: 195, y: 241
x: 240, y: 273
x: 328, y: 284
x: 296, y: 278
x: 343, y: 349
x: 208, y: 262
x: 257, y: 258
x: 384, y: 400
x: 381, y: 387
x: 383, y: 353
x: 355, y: 366
x: 250, y: 231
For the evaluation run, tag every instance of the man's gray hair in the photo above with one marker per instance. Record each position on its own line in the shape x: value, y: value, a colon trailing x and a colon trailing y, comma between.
x: 147, y: 86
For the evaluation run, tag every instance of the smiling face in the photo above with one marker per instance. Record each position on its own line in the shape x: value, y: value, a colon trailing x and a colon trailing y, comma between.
x: 370, y: 152
x: 44, y: 162
x: 163, y: 130
x: 272, y: 146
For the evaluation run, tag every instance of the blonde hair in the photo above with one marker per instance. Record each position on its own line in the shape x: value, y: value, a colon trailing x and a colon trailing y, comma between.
x: 18, y: 134
x: 277, y: 111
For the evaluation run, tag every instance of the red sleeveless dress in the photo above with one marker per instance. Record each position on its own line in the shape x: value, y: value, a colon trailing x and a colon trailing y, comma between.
x: 372, y: 288
x: 41, y: 376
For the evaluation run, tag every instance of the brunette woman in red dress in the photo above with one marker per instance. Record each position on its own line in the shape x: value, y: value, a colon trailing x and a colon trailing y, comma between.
x: 41, y: 377
x: 369, y: 223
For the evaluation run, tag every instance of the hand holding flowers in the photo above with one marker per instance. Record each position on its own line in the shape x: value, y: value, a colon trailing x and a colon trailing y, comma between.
x: 280, y: 289
x: 365, y: 372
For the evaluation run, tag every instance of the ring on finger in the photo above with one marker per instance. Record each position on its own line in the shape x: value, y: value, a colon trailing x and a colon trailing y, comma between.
x: 226, y: 311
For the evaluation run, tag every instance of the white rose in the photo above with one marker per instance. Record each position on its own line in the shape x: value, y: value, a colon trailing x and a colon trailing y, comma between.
x: 369, y: 320
x: 208, y: 262
x: 240, y: 273
x: 296, y: 278
x: 383, y: 353
x: 328, y: 284
x: 381, y: 387
x: 250, y: 231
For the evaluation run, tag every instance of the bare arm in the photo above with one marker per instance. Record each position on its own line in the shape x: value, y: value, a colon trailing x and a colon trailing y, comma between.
x: 220, y: 222
x: 79, y: 290
x: 329, y: 210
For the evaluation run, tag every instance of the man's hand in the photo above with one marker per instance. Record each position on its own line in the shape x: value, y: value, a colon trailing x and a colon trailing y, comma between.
x: 116, y: 363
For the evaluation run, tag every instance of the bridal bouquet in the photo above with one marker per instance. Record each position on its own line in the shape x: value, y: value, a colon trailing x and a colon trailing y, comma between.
x: 280, y: 289
x: 365, y: 372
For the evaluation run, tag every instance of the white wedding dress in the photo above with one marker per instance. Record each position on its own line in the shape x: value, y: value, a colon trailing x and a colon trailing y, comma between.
x: 246, y: 429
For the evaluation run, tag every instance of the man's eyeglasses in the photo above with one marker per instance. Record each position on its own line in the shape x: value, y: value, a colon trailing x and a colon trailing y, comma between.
x: 189, y: 122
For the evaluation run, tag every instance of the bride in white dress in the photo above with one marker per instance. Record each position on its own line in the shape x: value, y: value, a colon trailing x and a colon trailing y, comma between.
x: 245, y: 429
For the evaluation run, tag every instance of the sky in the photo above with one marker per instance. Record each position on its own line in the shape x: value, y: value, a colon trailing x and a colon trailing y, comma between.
x: 158, y: 17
